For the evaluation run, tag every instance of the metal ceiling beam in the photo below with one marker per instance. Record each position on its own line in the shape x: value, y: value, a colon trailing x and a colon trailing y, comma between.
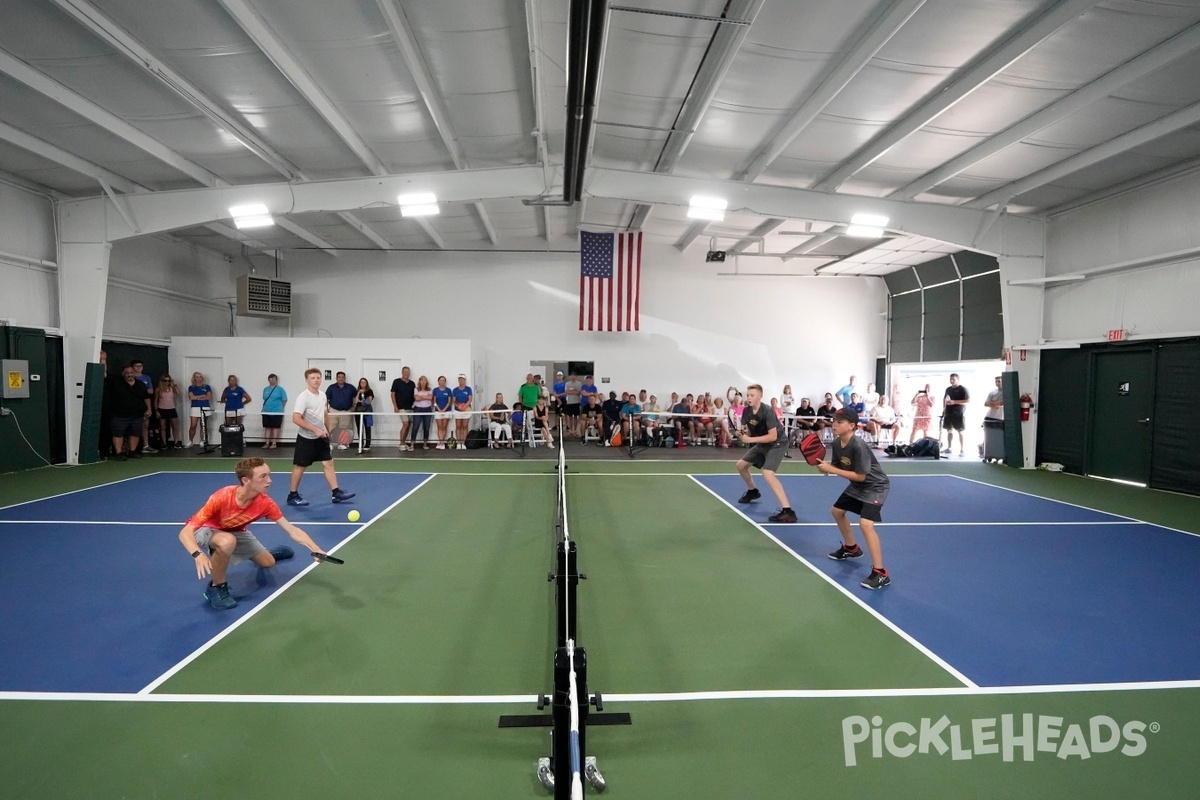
x: 32, y: 186
x: 976, y: 74
x: 869, y: 41
x: 77, y: 103
x: 818, y: 241
x: 1167, y: 173
x: 756, y: 235
x: 1183, y: 118
x: 59, y: 156
x: 402, y: 34
x: 1132, y: 70
x: 311, y: 238
x: 690, y: 235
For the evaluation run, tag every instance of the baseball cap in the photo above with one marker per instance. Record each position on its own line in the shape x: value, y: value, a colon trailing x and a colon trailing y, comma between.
x: 559, y: 372
x: 462, y: 374
x: 848, y: 414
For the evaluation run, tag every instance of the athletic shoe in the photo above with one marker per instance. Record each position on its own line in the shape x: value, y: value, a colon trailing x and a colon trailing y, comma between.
x: 545, y: 774
x: 946, y: 452
x: 439, y: 447
x: 294, y: 499
x: 282, y: 552
x: 843, y: 553
x: 191, y: 444
x: 149, y: 450
x: 784, y: 515
x: 366, y: 449
x: 876, y: 580
x: 342, y: 447
x: 340, y: 497
x: 120, y: 457
x: 135, y: 454
x: 592, y: 773
x: 750, y: 496
x: 219, y: 597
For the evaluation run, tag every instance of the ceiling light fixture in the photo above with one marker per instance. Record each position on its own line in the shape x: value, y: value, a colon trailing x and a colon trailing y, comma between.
x: 710, y: 208
x: 420, y: 204
x: 867, y: 226
x: 251, y: 215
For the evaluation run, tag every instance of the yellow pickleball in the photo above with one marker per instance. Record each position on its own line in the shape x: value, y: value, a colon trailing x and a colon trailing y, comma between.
x: 352, y: 516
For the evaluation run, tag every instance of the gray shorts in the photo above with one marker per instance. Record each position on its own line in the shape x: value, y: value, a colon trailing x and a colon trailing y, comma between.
x: 247, y: 546
x: 766, y: 457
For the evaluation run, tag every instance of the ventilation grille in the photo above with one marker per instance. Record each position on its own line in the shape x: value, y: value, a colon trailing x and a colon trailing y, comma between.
x: 263, y: 297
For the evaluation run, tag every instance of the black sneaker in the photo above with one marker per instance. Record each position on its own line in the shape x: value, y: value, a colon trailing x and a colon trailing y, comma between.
x: 843, y: 553
x: 784, y: 515
x: 294, y: 499
x: 282, y: 552
x: 876, y: 580
x: 340, y: 497
x: 750, y: 496
x: 219, y: 597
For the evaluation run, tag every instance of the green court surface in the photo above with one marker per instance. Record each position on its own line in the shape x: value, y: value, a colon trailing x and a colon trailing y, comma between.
x: 386, y: 677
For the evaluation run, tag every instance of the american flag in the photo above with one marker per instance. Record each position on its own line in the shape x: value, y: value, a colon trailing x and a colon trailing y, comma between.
x: 610, y: 280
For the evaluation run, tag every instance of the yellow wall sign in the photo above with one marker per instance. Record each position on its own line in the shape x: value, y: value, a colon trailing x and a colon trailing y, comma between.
x: 14, y: 380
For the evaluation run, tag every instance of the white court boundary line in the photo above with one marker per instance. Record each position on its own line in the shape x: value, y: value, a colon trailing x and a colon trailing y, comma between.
x: 932, y: 656
x: 1076, y: 505
x: 239, y: 622
x: 84, y: 489
x: 123, y: 524
x: 648, y: 697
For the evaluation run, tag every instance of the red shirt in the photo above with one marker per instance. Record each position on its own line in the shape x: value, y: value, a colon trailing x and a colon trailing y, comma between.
x: 223, y: 513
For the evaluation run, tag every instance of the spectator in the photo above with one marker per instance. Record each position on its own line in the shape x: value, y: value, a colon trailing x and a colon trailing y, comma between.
x: 870, y: 398
x: 543, y: 390
x: 235, y: 399
x: 806, y: 417
x: 341, y: 403
x: 588, y: 391
x: 610, y: 417
x: 129, y: 402
x: 529, y: 392
x: 311, y: 415
x: 631, y: 419
x: 705, y: 428
x: 684, y: 422
x: 216, y: 536
x: 141, y: 377
x: 166, y: 394
x: 274, y: 404
x: 364, y: 404
x: 843, y: 394
x: 650, y: 414
x: 995, y: 401
x: 464, y: 399
x: 922, y: 405
x: 200, y: 397
x: 826, y: 409
x: 443, y: 403
x: 498, y: 425
x: 883, y: 418
x: 518, y: 421
x: 786, y: 400
x: 591, y: 417
x: 402, y: 403
x: 541, y: 420
x: 422, y: 411
x: 954, y: 413
x: 736, y: 409
x: 778, y: 409
x: 721, y: 423
x: 768, y: 446
x: 574, y: 393
x: 559, y: 401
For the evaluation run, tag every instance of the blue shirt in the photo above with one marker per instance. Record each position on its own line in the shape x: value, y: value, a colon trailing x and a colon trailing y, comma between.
x: 234, y: 398
x: 560, y: 388
x: 341, y: 398
x: 441, y: 398
x: 198, y: 391
x: 843, y: 394
x: 630, y: 410
x: 274, y: 400
x: 462, y: 394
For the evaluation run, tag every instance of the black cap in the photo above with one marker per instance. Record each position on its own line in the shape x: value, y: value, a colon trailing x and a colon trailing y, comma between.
x: 848, y: 414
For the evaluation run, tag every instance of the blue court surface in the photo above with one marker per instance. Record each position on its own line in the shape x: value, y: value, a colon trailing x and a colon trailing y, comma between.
x: 1007, y: 588
x: 101, y: 596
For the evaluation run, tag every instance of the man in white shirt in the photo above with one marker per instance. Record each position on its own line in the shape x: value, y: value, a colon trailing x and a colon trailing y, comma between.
x: 311, y: 414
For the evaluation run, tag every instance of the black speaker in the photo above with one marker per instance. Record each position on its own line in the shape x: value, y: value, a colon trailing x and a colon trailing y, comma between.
x: 232, y: 441
x: 715, y: 255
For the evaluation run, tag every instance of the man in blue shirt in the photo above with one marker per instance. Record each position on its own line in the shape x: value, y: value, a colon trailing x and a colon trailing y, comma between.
x: 560, y: 394
x: 341, y: 399
x: 843, y: 394
x: 631, y: 419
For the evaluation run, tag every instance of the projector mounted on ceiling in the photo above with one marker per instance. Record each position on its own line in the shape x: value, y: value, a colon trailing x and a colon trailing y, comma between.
x: 715, y: 255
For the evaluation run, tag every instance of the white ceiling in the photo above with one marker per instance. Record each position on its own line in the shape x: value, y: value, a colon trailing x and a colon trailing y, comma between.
x: 1030, y: 105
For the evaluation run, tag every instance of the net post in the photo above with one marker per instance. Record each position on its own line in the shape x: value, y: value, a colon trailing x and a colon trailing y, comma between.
x: 566, y: 582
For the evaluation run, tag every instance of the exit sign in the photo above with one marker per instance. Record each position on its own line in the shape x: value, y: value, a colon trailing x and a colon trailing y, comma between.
x: 1116, y: 335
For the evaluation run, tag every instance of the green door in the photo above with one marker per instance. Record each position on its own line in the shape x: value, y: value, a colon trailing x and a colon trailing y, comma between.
x: 1122, y: 396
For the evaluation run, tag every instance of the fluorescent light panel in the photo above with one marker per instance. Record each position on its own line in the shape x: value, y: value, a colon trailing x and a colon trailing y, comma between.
x: 867, y: 226
x: 710, y: 208
x: 418, y: 204
x: 251, y: 215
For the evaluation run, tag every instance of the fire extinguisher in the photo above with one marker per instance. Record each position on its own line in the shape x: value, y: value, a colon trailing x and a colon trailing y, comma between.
x: 1026, y: 406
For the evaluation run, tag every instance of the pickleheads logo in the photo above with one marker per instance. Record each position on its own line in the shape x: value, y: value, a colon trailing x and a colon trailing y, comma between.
x: 1005, y: 736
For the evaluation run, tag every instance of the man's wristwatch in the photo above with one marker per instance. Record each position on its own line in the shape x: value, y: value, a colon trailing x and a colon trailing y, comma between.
x: 196, y: 554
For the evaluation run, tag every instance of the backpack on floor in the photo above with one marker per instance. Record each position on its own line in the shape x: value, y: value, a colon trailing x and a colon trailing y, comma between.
x: 476, y: 439
x: 926, y: 448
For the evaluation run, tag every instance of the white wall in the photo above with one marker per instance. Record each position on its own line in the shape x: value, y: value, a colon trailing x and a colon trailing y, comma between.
x: 699, y: 332
x: 1152, y: 302
x: 28, y: 275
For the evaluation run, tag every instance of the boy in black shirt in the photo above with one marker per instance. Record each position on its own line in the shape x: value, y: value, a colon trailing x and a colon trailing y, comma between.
x: 769, y: 445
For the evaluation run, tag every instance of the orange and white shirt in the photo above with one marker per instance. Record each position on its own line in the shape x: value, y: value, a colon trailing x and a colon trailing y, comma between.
x: 223, y: 513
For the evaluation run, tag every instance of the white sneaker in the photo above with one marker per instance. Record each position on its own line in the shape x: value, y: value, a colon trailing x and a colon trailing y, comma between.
x: 149, y: 450
x: 341, y: 447
x: 441, y: 447
x: 551, y: 445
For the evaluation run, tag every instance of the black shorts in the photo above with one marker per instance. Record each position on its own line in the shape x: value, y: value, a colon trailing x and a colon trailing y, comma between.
x: 167, y: 413
x: 954, y: 423
x: 766, y: 457
x: 311, y: 450
x: 572, y: 409
x: 273, y: 421
x: 125, y: 426
x: 871, y: 511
